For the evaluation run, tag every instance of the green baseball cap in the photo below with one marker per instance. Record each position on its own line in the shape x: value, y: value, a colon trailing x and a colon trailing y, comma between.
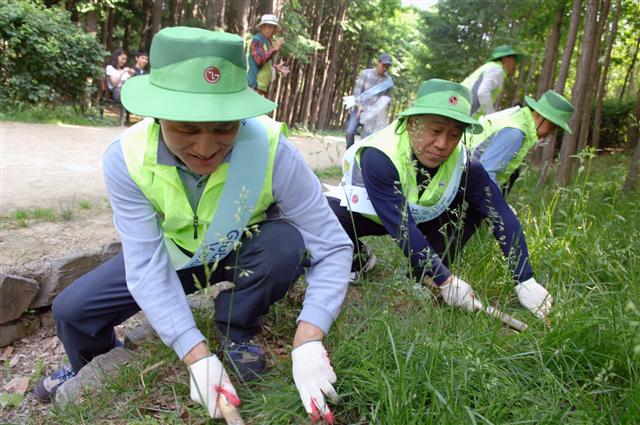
x: 554, y: 107
x: 446, y: 98
x: 196, y: 75
x: 506, y: 50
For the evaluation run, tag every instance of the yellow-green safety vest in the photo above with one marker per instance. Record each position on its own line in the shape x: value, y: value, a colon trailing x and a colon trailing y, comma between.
x: 516, y: 117
x: 162, y: 186
x: 394, y: 142
x: 472, y: 82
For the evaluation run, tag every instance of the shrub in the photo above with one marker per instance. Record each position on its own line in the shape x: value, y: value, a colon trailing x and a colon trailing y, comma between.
x: 617, y: 117
x: 44, y: 56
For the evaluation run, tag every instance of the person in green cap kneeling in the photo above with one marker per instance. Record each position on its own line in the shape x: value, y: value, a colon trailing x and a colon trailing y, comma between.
x: 510, y: 134
x: 486, y: 82
x: 414, y: 180
x: 210, y: 181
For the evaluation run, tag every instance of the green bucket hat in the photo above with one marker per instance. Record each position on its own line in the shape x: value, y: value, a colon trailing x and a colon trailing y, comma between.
x: 554, y: 107
x: 196, y: 75
x: 502, y: 51
x: 446, y: 98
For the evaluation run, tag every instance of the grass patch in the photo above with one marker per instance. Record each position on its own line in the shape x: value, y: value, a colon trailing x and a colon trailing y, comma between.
x: 44, y: 214
x: 331, y: 173
x: 56, y: 114
x: 402, y: 358
x: 84, y: 205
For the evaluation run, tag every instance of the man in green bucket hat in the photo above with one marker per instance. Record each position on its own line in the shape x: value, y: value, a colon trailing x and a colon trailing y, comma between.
x: 415, y: 182
x: 208, y: 189
x: 486, y: 82
x: 509, y: 135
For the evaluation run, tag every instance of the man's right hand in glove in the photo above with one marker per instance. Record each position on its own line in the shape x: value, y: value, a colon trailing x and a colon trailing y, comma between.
x: 209, y: 381
x: 459, y: 293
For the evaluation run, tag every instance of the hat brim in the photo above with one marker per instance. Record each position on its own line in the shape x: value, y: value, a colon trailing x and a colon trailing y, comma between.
x: 268, y: 23
x: 474, y: 126
x: 143, y: 98
x: 536, y: 107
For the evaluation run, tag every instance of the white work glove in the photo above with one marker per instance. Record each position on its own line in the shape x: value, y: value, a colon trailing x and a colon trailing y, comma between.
x: 534, y: 297
x: 348, y: 101
x: 313, y: 375
x: 208, y: 381
x: 459, y: 293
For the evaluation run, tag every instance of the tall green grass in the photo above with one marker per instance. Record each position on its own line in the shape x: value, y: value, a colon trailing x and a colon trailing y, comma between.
x: 402, y: 358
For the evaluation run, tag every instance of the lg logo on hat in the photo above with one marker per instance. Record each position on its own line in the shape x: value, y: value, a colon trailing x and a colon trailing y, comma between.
x: 453, y: 100
x: 212, y: 75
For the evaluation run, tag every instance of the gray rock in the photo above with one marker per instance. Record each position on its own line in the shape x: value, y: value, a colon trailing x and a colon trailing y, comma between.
x: 136, y: 336
x: 110, y: 250
x: 46, y: 319
x: 18, y: 329
x: 16, y: 293
x: 92, y: 376
x: 60, y: 273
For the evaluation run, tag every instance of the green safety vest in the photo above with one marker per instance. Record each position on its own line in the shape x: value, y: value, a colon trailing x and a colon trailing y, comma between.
x: 442, y: 187
x: 163, y: 187
x: 472, y: 83
x: 516, y: 117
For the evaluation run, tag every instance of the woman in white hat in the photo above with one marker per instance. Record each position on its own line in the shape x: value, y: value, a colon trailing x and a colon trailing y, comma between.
x: 261, y: 53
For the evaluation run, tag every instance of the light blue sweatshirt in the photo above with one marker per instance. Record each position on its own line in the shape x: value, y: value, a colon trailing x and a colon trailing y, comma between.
x: 152, y: 280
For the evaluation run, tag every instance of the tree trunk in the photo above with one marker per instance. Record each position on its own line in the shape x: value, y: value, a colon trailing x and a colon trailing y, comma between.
x: 633, y: 64
x: 548, y: 67
x: 156, y: 16
x: 633, y: 176
x: 548, y: 71
x: 549, y: 150
x: 602, y: 84
x: 240, y: 21
x: 593, y: 76
x: 333, y: 64
x: 90, y: 20
x: 569, y: 141
x: 312, y: 69
x: 516, y: 92
x: 572, y: 35
x: 210, y: 9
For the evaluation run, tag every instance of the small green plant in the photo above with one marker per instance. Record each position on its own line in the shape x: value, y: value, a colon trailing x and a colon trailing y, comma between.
x: 10, y: 400
x: 44, y: 214
x: 20, y: 214
x: 66, y: 214
x: 84, y: 205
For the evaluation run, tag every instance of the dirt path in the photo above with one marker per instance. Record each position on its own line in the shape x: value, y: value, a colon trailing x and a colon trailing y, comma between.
x: 59, y: 165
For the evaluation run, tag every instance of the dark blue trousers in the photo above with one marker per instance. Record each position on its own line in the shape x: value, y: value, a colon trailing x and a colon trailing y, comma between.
x: 87, y: 310
x: 446, y: 233
x: 353, y: 122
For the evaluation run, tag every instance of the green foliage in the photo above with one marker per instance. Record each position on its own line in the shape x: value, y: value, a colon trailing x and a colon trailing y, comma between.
x: 617, y: 117
x: 45, y: 57
x: 54, y: 114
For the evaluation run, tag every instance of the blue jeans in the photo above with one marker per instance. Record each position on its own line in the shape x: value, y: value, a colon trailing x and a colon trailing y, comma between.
x: 353, y: 122
x: 87, y: 310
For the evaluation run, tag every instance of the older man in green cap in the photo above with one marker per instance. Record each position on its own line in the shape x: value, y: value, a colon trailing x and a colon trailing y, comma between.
x: 414, y: 180
x: 510, y: 134
x: 209, y: 189
x: 486, y: 82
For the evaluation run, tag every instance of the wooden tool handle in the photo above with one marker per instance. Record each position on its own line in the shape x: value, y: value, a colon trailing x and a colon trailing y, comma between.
x: 505, y: 318
x: 229, y: 411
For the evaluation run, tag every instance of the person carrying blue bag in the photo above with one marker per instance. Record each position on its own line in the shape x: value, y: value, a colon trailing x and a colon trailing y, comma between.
x: 370, y: 100
x: 209, y: 180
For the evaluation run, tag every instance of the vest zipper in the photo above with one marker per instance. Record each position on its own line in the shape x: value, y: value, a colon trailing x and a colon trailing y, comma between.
x: 195, y: 227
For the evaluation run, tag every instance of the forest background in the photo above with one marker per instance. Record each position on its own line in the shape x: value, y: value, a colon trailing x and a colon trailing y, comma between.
x: 53, y: 52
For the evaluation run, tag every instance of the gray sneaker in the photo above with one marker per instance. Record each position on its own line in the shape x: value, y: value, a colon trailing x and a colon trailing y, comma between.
x: 46, y: 389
